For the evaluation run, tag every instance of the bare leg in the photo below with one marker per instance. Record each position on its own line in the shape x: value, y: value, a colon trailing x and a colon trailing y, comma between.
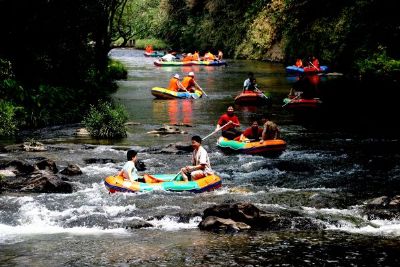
x: 185, y: 178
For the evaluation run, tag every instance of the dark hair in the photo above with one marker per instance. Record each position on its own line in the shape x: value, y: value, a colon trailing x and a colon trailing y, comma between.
x: 130, y: 154
x: 250, y: 74
x: 197, y: 139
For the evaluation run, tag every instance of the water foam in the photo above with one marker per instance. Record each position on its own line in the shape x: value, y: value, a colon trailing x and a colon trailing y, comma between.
x: 170, y: 223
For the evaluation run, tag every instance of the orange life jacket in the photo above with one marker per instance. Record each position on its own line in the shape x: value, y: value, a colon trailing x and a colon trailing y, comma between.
x: 149, y: 49
x: 173, y: 84
x: 188, y: 82
x: 209, y: 56
x: 187, y: 58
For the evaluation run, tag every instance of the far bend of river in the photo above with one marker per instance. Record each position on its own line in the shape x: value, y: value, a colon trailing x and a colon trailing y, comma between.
x: 336, y: 160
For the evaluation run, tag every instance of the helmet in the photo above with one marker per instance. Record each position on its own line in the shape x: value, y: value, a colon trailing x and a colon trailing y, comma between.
x: 176, y: 76
x: 191, y: 74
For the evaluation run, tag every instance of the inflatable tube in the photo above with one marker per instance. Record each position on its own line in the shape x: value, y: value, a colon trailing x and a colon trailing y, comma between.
x: 266, y: 148
x: 153, y: 54
x: 162, y: 182
x: 160, y: 63
x: 252, y: 98
x: 163, y: 93
x: 301, y: 104
x: 306, y: 70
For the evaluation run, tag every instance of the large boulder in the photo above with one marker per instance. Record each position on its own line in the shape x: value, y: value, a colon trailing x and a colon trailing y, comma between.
x: 213, y: 223
x: 167, y: 129
x: 18, y: 166
x: 383, y: 207
x: 72, y: 169
x: 21, y: 176
x: 48, y: 165
x: 243, y: 216
x: 39, y: 181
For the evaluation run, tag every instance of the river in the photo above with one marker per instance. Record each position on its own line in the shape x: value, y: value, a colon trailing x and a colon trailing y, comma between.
x: 335, y: 161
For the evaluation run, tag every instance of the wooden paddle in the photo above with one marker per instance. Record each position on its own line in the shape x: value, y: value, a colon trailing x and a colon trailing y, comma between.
x: 215, y: 131
x: 201, y: 89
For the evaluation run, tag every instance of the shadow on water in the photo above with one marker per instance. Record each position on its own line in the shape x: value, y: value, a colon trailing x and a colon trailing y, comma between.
x: 363, y: 107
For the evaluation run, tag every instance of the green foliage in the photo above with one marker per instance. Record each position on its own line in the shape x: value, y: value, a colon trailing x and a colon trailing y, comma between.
x: 8, y: 124
x: 106, y: 121
x: 156, y: 43
x: 135, y: 19
x: 6, y: 71
x: 379, y: 65
x: 64, y: 66
x: 116, y: 70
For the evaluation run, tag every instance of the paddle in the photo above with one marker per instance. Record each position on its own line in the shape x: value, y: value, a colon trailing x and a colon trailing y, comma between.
x: 215, y: 131
x: 313, y: 65
x: 297, y: 97
x: 201, y: 89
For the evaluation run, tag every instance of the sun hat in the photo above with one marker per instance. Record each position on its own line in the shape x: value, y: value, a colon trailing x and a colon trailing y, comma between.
x: 191, y: 74
x: 176, y: 76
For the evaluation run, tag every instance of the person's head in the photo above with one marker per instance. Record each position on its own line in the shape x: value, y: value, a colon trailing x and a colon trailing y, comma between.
x: 176, y: 76
x: 250, y: 75
x: 196, y: 141
x: 264, y: 119
x: 191, y: 74
x: 131, y: 155
x: 254, y: 124
x: 230, y: 110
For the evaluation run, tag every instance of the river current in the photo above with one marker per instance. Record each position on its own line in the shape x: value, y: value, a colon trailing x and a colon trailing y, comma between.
x: 336, y: 160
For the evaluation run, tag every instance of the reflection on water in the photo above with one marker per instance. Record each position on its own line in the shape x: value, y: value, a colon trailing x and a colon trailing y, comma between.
x: 175, y: 111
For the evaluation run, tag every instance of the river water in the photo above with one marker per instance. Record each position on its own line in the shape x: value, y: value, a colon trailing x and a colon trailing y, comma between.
x: 336, y: 159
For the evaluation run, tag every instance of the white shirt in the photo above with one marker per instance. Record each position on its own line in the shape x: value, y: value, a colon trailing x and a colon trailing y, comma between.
x: 168, y: 57
x: 128, y: 165
x: 200, y: 157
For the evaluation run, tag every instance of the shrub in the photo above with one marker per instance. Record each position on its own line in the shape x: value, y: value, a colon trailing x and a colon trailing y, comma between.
x: 106, y: 121
x: 156, y: 43
x: 8, y: 124
x: 116, y: 70
x: 379, y: 65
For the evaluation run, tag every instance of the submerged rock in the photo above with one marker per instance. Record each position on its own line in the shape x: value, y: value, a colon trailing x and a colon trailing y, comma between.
x: 48, y: 165
x: 166, y: 129
x: 383, y: 207
x: 18, y: 166
x: 81, y: 132
x: 32, y: 146
x: 137, y: 224
x: 212, y: 223
x: 41, y: 177
x: 72, y: 169
x: 244, y: 216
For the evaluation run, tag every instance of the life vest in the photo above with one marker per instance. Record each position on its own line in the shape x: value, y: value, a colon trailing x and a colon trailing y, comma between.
x: 299, y: 63
x: 173, y: 84
x: 149, y: 49
x: 187, y: 58
x: 188, y: 82
x: 209, y: 56
x: 195, y: 56
x: 316, y: 63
